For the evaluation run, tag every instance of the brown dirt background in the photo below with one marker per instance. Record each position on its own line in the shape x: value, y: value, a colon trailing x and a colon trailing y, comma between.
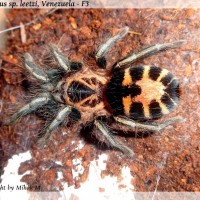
x: 170, y: 159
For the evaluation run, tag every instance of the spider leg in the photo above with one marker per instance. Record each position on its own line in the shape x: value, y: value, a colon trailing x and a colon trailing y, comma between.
x: 105, y: 134
x: 148, y: 51
x: 28, y: 108
x: 103, y: 49
x: 64, y: 64
x: 149, y: 127
x: 62, y: 114
x: 34, y: 69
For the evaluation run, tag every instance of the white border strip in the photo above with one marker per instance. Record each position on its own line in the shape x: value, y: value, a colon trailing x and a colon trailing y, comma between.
x: 63, y: 4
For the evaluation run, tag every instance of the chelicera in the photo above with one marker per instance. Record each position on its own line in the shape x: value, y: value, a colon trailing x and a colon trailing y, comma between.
x: 128, y: 94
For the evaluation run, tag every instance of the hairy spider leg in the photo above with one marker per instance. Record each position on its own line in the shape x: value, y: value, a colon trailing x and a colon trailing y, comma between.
x: 38, y: 73
x: 144, y: 126
x: 104, y: 48
x: 64, y: 64
x: 146, y: 52
x: 62, y: 114
x: 30, y: 107
x: 104, y: 134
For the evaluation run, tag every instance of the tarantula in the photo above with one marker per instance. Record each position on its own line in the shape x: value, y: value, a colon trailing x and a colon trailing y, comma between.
x: 127, y: 94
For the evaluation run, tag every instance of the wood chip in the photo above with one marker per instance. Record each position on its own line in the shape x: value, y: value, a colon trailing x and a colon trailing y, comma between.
x: 23, y: 33
x: 37, y: 26
x: 73, y: 22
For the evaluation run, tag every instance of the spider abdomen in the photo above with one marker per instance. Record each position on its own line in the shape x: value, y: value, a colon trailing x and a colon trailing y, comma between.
x: 142, y: 92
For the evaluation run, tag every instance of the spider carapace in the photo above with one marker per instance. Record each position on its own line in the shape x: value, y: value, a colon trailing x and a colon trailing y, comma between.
x: 127, y: 94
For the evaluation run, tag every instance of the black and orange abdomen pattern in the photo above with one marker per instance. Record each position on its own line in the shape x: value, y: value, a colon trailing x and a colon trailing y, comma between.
x: 142, y: 92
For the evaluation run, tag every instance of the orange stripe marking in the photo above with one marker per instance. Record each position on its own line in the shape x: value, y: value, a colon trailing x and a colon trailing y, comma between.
x: 127, y: 78
x: 127, y: 102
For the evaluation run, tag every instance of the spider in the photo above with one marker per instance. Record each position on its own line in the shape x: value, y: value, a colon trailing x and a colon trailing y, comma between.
x: 130, y: 95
